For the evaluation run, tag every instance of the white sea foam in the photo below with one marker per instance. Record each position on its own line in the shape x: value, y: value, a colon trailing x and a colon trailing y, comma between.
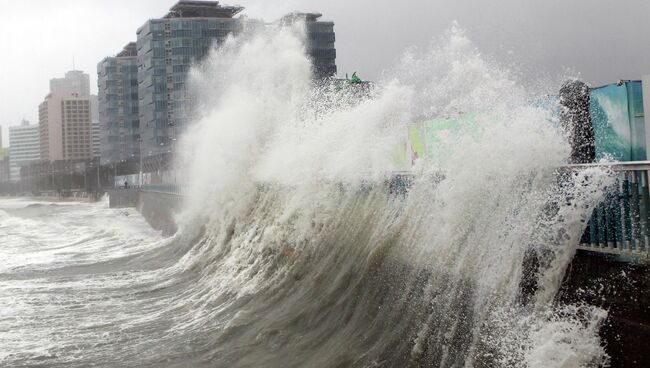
x: 470, y: 232
x: 295, y: 251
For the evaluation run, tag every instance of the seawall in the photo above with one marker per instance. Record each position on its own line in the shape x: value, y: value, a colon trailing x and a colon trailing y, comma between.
x: 619, y: 285
x: 120, y: 198
x: 158, y: 208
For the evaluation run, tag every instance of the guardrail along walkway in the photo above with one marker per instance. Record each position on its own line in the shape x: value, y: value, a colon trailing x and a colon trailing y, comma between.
x: 619, y: 225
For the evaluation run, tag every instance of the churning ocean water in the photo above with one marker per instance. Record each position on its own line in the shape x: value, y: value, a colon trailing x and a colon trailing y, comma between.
x: 292, y: 249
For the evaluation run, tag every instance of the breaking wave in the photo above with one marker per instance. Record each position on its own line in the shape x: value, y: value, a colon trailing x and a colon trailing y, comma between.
x: 304, y: 243
x: 326, y: 263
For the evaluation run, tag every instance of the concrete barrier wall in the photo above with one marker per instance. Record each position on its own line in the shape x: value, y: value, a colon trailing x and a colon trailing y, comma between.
x: 623, y: 288
x: 160, y: 209
x: 120, y: 198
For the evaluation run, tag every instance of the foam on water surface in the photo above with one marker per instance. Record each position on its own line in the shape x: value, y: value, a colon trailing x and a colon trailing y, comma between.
x: 293, y: 251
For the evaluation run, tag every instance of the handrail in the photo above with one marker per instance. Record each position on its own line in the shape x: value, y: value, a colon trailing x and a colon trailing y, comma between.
x: 620, y: 224
x: 163, y: 188
x: 616, y: 166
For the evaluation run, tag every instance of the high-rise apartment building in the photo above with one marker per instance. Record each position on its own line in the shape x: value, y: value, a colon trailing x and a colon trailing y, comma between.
x: 166, y: 48
x: 24, y: 143
x: 164, y: 52
x: 320, y: 38
x: 65, y: 127
x: 66, y: 119
x: 74, y: 81
x: 119, y: 122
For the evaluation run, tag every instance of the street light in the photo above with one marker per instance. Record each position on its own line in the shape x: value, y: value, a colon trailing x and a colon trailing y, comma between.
x: 99, y: 180
x: 140, y: 167
x: 172, y: 163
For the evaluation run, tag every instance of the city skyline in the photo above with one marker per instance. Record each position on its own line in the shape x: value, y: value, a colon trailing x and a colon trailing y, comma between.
x: 25, y: 143
x: 512, y: 37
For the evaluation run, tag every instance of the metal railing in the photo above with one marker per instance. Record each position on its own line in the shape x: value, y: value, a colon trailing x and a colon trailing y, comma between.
x: 620, y: 224
x: 176, y: 189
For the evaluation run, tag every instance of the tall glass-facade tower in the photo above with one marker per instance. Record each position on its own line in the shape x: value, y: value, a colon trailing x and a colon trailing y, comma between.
x: 166, y: 48
x: 148, y: 119
x: 320, y: 38
x: 119, y: 106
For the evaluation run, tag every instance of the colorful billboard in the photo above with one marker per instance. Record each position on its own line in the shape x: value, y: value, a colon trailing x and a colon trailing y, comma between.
x: 616, y: 112
x: 425, y: 140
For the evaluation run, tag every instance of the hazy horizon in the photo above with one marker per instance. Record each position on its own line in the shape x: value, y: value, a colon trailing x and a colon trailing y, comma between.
x: 601, y: 44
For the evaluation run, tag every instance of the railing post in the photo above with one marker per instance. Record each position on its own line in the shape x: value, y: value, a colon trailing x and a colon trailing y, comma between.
x: 602, y: 226
x: 621, y: 222
x: 593, y: 228
x: 645, y: 196
x: 610, y: 220
x: 627, y: 218
x: 617, y: 209
x: 636, y: 218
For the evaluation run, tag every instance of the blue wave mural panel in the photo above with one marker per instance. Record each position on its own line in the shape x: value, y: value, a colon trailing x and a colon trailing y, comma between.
x: 617, y: 116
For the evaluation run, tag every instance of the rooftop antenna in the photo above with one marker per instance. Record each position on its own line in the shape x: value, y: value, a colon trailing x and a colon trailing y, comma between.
x: 73, y: 67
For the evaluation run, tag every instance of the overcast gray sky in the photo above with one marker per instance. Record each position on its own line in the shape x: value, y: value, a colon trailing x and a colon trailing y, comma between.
x: 604, y: 40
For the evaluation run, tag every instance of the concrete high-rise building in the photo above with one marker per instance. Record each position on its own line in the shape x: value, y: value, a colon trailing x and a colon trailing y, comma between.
x: 0, y: 136
x: 119, y: 122
x: 320, y: 38
x: 66, y: 119
x: 24, y: 143
x: 166, y: 48
x: 65, y: 127
x: 75, y: 81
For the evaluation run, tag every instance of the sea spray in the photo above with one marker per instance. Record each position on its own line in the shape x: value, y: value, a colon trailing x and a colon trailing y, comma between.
x: 300, y: 246
x: 335, y: 270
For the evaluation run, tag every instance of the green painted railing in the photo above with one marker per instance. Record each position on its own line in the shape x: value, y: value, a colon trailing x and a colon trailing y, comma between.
x: 621, y: 223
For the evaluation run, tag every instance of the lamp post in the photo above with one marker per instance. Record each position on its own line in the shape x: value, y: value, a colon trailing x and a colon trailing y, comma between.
x: 67, y: 170
x: 87, y: 164
x: 121, y: 163
x: 71, y: 169
x: 140, y: 166
x: 112, y: 185
x: 99, y: 181
x: 172, y: 163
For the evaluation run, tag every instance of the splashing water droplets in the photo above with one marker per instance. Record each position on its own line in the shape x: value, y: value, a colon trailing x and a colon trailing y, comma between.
x: 300, y: 245
x: 370, y: 275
